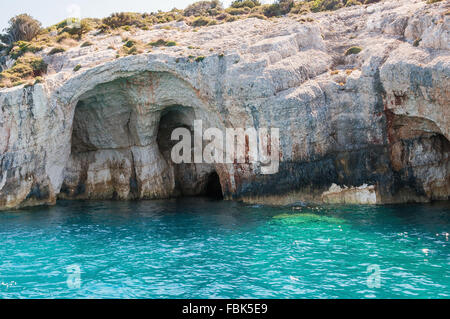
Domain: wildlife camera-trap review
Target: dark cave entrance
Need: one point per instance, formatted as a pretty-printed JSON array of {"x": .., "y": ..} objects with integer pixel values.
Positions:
[
  {"x": 213, "y": 187},
  {"x": 122, "y": 150},
  {"x": 191, "y": 179}
]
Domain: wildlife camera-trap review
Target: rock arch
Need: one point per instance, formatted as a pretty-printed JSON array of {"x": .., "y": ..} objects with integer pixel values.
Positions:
[{"x": 120, "y": 142}]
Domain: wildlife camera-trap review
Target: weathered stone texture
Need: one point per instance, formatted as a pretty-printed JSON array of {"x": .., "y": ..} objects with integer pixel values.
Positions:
[{"x": 377, "y": 131}]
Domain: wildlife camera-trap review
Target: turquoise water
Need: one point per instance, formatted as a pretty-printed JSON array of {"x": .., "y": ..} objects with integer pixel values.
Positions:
[{"x": 196, "y": 248}]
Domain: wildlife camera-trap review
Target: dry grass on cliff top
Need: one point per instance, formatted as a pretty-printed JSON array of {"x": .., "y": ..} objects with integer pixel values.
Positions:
[
  {"x": 26, "y": 70},
  {"x": 70, "y": 33}
]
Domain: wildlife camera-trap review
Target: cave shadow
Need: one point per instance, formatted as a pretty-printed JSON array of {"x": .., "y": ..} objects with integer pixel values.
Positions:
[
  {"x": 191, "y": 179},
  {"x": 213, "y": 187}
]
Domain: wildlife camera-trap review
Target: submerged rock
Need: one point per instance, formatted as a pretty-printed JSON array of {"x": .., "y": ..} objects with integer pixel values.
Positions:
[
  {"x": 307, "y": 218},
  {"x": 374, "y": 124}
]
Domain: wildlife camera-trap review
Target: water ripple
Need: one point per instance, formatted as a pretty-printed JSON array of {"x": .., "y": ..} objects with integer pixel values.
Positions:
[{"x": 203, "y": 249}]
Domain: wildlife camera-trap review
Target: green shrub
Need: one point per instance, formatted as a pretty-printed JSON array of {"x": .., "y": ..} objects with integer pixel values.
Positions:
[
  {"x": 237, "y": 11},
  {"x": 56, "y": 50},
  {"x": 279, "y": 8},
  {"x": 158, "y": 43},
  {"x": 117, "y": 20},
  {"x": 77, "y": 27},
  {"x": 61, "y": 25},
  {"x": 21, "y": 47},
  {"x": 21, "y": 70},
  {"x": 202, "y": 21},
  {"x": 133, "y": 50},
  {"x": 199, "y": 58},
  {"x": 231, "y": 18},
  {"x": 162, "y": 43},
  {"x": 245, "y": 3},
  {"x": 222, "y": 16},
  {"x": 128, "y": 20},
  {"x": 257, "y": 15},
  {"x": 26, "y": 67},
  {"x": 86, "y": 44},
  {"x": 353, "y": 50},
  {"x": 326, "y": 5},
  {"x": 37, "y": 64},
  {"x": 38, "y": 79},
  {"x": 77, "y": 68},
  {"x": 203, "y": 8},
  {"x": 350, "y": 3},
  {"x": 300, "y": 8},
  {"x": 416, "y": 42},
  {"x": 104, "y": 28},
  {"x": 63, "y": 36},
  {"x": 129, "y": 43}
]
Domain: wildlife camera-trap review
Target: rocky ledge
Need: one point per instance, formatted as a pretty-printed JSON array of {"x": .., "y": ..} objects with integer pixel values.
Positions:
[{"x": 355, "y": 127}]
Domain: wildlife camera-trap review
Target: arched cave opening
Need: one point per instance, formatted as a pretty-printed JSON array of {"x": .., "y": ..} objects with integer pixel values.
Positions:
[
  {"x": 191, "y": 179},
  {"x": 420, "y": 157},
  {"x": 121, "y": 144}
]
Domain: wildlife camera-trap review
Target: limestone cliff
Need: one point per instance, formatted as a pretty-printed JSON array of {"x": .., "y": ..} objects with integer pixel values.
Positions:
[{"x": 372, "y": 127}]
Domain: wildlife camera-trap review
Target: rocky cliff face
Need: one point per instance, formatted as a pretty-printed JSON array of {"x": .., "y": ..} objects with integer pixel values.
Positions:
[{"x": 372, "y": 127}]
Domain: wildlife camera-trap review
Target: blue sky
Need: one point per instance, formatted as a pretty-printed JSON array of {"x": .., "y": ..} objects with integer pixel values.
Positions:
[{"x": 50, "y": 11}]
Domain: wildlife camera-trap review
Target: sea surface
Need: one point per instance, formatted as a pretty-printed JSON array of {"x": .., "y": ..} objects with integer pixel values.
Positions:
[{"x": 200, "y": 248}]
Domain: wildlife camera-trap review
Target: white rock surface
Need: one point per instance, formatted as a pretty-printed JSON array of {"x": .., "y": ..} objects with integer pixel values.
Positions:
[{"x": 383, "y": 120}]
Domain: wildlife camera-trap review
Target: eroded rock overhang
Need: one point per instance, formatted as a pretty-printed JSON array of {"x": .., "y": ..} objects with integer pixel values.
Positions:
[{"x": 377, "y": 135}]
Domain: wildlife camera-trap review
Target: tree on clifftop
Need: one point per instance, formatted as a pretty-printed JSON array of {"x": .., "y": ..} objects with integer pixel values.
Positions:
[
  {"x": 203, "y": 8},
  {"x": 21, "y": 28}
]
